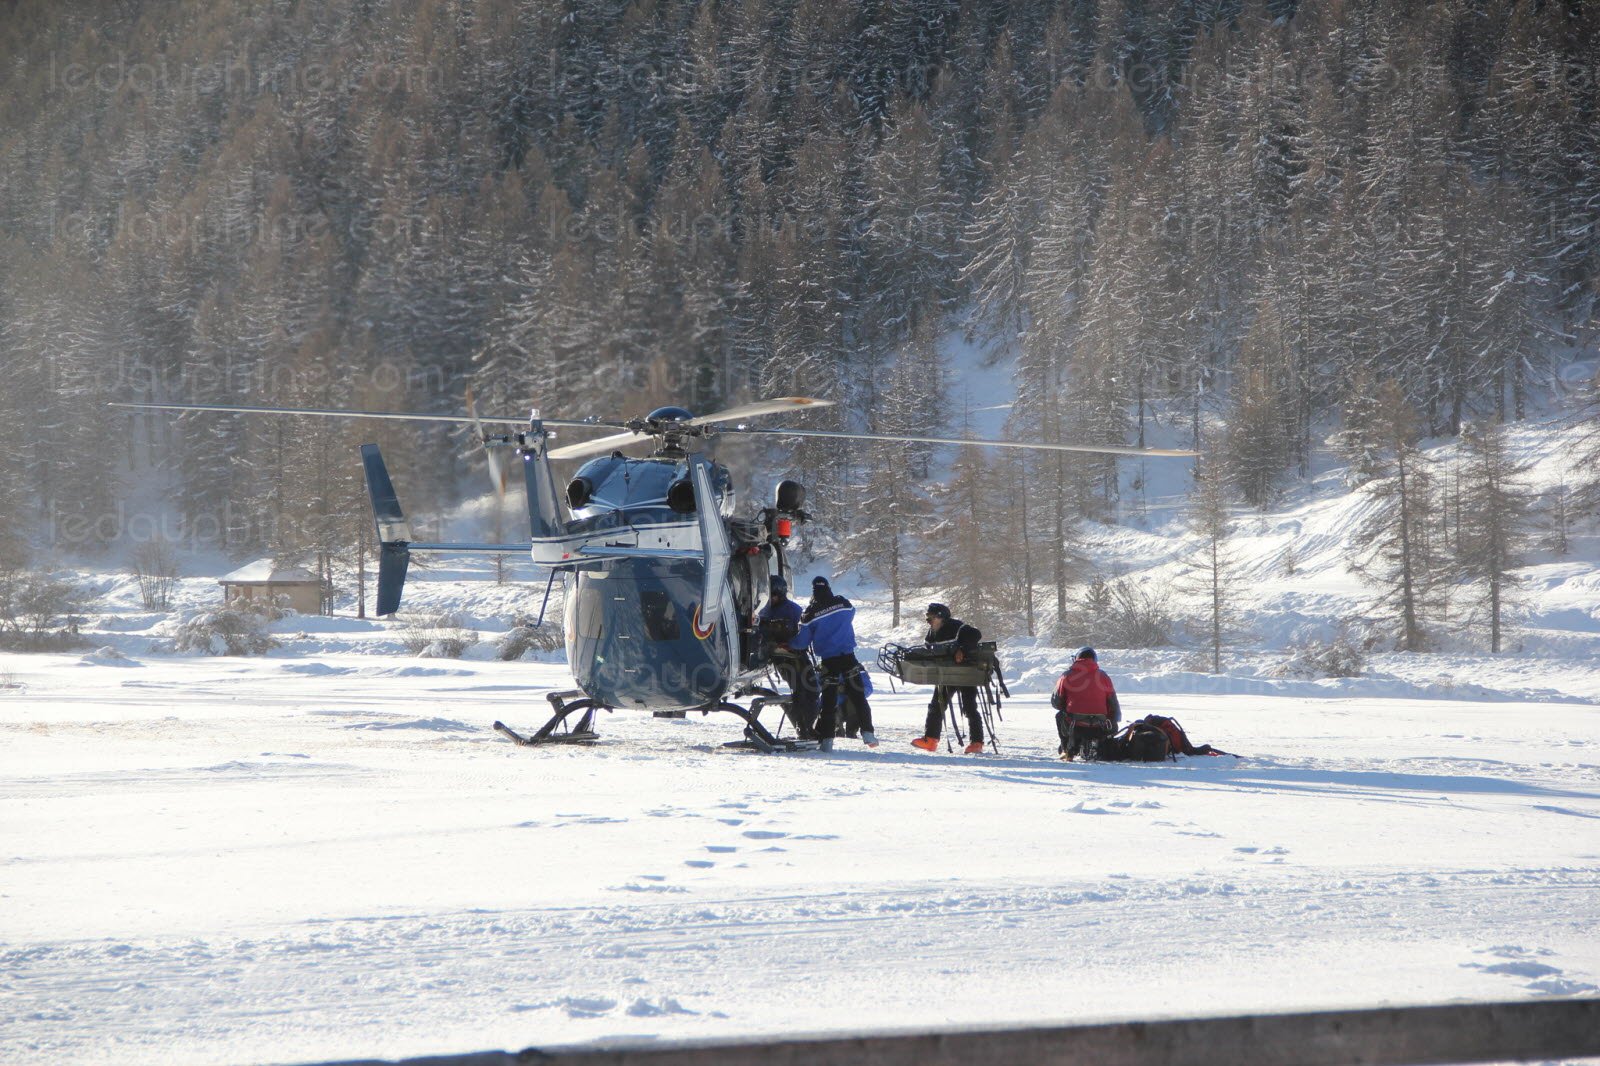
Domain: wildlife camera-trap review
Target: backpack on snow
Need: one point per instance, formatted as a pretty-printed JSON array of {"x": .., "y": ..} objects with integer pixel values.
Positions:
[
  {"x": 1140, "y": 742},
  {"x": 1178, "y": 740}
]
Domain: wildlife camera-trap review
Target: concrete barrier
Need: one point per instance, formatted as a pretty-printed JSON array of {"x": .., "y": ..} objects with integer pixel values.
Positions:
[{"x": 1396, "y": 1036}]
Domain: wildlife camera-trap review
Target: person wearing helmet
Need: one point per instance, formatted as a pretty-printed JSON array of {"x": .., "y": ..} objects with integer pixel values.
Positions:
[
  {"x": 777, "y": 623},
  {"x": 952, "y": 635},
  {"x": 1087, "y": 710},
  {"x": 828, "y": 625}
]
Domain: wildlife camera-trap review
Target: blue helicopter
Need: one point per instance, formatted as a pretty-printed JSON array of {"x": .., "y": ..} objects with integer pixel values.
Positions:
[{"x": 665, "y": 575}]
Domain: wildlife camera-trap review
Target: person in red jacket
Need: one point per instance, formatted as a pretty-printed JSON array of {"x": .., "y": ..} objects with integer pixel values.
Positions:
[{"x": 1086, "y": 706}]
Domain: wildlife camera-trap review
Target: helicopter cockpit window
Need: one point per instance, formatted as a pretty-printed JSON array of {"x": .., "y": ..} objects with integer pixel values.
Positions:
[{"x": 660, "y": 620}]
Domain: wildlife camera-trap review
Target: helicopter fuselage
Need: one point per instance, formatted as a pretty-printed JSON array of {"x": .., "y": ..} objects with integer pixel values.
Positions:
[
  {"x": 638, "y": 634},
  {"x": 635, "y": 637}
]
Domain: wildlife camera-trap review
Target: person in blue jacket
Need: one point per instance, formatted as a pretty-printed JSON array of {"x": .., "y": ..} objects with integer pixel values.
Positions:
[
  {"x": 828, "y": 625},
  {"x": 777, "y": 623}
]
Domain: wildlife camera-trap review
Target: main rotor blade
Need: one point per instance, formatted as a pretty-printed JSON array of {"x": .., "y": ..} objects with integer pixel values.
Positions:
[
  {"x": 598, "y": 446},
  {"x": 398, "y": 416},
  {"x": 1099, "y": 449},
  {"x": 776, "y": 406}
]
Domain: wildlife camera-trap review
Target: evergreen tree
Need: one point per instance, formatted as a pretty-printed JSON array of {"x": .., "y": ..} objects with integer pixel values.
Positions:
[
  {"x": 1494, "y": 526},
  {"x": 889, "y": 508},
  {"x": 958, "y": 543},
  {"x": 1398, "y": 549},
  {"x": 1212, "y": 566},
  {"x": 1261, "y": 436}
]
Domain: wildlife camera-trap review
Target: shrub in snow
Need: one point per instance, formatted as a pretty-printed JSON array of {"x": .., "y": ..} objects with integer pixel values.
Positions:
[
  {"x": 519, "y": 642},
  {"x": 224, "y": 631},
  {"x": 155, "y": 566},
  {"x": 1343, "y": 656},
  {"x": 38, "y": 612},
  {"x": 1122, "y": 614},
  {"x": 437, "y": 636}
]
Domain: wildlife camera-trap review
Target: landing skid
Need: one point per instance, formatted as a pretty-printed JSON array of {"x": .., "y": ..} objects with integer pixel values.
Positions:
[
  {"x": 573, "y": 737},
  {"x": 558, "y": 731},
  {"x": 756, "y": 735}
]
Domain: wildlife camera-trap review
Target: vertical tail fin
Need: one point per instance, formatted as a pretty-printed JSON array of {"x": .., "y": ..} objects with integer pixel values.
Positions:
[
  {"x": 544, "y": 509},
  {"x": 394, "y": 533}
]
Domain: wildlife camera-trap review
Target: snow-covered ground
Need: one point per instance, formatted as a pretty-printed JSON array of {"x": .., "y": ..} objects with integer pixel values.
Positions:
[{"x": 326, "y": 853}]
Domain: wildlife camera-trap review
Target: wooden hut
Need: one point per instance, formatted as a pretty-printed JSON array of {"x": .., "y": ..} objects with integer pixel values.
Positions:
[{"x": 263, "y": 583}]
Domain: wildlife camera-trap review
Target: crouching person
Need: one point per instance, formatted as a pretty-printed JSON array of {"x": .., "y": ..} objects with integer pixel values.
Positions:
[
  {"x": 1086, "y": 706},
  {"x": 777, "y": 623},
  {"x": 828, "y": 626}
]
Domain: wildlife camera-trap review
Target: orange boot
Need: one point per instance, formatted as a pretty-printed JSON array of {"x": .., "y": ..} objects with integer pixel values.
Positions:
[
  {"x": 975, "y": 748},
  {"x": 926, "y": 743}
]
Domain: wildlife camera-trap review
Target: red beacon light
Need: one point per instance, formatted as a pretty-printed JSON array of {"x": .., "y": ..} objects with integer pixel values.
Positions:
[{"x": 785, "y": 528}]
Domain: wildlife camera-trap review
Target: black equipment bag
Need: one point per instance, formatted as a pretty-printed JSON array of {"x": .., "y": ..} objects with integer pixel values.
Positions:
[{"x": 1140, "y": 742}]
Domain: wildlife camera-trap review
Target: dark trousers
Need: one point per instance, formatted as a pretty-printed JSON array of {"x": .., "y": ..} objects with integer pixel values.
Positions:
[
  {"x": 844, "y": 681},
  {"x": 1079, "y": 733},
  {"x": 801, "y": 677},
  {"x": 941, "y": 702}
]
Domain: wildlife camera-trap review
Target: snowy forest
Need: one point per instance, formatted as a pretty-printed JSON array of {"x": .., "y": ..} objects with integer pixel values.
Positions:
[{"x": 1259, "y": 230}]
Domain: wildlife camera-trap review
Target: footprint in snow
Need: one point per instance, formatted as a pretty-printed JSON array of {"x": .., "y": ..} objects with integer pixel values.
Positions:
[
  {"x": 587, "y": 1006},
  {"x": 1561, "y": 986},
  {"x": 653, "y": 885},
  {"x": 643, "y": 1008},
  {"x": 575, "y": 1006},
  {"x": 1544, "y": 978},
  {"x": 764, "y": 834},
  {"x": 699, "y": 864},
  {"x": 721, "y": 849}
]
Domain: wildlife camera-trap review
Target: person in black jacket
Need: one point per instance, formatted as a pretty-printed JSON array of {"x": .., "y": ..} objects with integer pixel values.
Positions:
[
  {"x": 777, "y": 623},
  {"x": 951, "y": 634}
]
